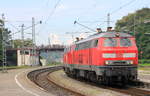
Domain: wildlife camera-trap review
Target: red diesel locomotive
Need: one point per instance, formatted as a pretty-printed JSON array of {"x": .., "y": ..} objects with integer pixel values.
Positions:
[{"x": 104, "y": 57}]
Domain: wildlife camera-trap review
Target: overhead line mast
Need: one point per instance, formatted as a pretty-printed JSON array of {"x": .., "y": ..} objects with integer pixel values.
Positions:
[
  {"x": 4, "y": 69},
  {"x": 33, "y": 42},
  {"x": 108, "y": 20},
  {"x": 22, "y": 51}
]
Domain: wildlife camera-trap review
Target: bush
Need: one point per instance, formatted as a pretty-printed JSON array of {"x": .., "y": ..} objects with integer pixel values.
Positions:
[{"x": 144, "y": 61}]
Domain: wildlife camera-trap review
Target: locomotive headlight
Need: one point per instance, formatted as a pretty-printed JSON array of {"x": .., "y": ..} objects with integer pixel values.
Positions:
[
  {"x": 128, "y": 55},
  {"x": 129, "y": 62},
  {"x": 106, "y": 62},
  {"x": 109, "y": 55}
]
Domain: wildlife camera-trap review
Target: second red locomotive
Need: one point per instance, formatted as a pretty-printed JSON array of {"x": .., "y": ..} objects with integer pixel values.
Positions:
[{"x": 107, "y": 57}]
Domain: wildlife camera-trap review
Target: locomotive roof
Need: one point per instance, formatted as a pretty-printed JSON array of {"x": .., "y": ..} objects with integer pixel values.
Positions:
[{"x": 104, "y": 34}]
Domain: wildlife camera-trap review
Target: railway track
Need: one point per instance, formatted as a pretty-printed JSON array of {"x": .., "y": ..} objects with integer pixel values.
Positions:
[
  {"x": 39, "y": 77},
  {"x": 136, "y": 89},
  {"x": 130, "y": 91}
]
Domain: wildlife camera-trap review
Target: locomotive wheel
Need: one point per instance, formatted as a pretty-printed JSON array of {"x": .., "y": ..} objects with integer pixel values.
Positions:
[
  {"x": 107, "y": 81},
  {"x": 67, "y": 71},
  {"x": 73, "y": 73},
  {"x": 76, "y": 74},
  {"x": 87, "y": 76},
  {"x": 93, "y": 77},
  {"x": 124, "y": 81}
]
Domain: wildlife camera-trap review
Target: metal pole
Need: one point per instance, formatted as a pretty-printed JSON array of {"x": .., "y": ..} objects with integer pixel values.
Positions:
[
  {"x": 72, "y": 38},
  {"x": 22, "y": 53},
  {"x": 134, "y": 25},
  {"x": 33, "y": 41},
  {"x": 49, "y": 41},
  {"x": 108, "y": 20},
  {"x": 4, "y": 69}
]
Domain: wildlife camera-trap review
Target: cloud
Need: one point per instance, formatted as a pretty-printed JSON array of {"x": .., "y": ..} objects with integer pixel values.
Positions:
[
  {"x": 54, "y": 39},
  {"x": 69, "y": 42},
  {"x": 83, "y": 35},
  {"x": 61, "y": 8}
]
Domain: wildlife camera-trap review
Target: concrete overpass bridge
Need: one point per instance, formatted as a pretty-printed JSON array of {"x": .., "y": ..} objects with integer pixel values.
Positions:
[{"x": 50, "y": 54}]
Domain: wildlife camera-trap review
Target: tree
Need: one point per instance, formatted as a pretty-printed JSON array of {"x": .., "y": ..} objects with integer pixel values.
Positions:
[
  {"x": 18, "y": 43},
  {"x": 0, "y": 41},
  {"x": 138, "y": 22},
  {"x": 6, "y": 36}
]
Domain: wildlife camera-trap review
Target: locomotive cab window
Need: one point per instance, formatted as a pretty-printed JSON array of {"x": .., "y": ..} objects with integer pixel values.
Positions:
[
  {"x": 110, "y": 42},
  {"x": 125, "y": 42},
  {"x": 95, "y": 43},
  {"x": 77, "y": 47}
]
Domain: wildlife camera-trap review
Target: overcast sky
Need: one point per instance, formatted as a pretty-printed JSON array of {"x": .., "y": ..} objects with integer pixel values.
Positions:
[{"x": 60, "y": 15}]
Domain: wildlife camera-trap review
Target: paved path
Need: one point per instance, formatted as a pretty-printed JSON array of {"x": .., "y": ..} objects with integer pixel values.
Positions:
[
  {"x": 15, "y": 83},
  {"x": 144, "y": 76}
]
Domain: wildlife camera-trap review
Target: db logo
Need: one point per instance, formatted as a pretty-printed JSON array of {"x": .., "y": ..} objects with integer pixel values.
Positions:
[{"x": 119, "y": 55}]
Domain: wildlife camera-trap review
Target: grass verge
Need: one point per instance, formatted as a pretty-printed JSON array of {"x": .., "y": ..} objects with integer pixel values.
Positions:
[
  {"x": 15, "y": 67},
  {"x": 145, "y": 65},
  {"x": 54, "y": 63}
]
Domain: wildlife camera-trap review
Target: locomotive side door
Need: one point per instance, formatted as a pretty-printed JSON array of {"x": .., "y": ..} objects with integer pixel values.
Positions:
[
  {"x": 93, "y": 53},
  {"x": 90, "y": 57},
  {"x": 89, "y": 54}
]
